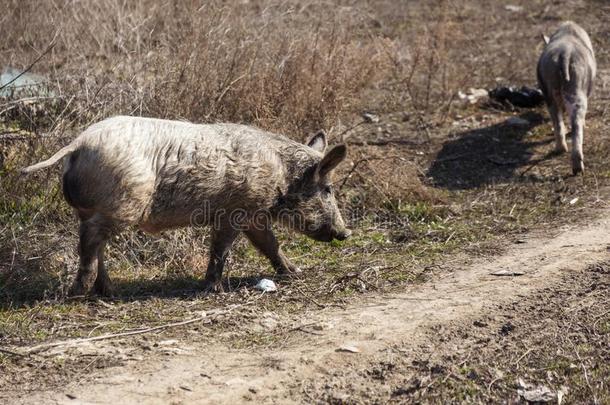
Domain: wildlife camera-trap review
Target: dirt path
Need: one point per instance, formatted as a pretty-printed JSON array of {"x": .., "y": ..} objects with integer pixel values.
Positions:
[{"x": 217, "y": 374}]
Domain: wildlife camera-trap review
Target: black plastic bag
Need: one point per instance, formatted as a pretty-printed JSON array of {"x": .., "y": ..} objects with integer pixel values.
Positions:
[{"x": 525, "y": 97}]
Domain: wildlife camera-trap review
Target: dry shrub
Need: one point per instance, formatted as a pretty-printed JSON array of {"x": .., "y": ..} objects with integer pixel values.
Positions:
[
  {"x": 383, "y": 179},
  {"x": 296, "y": 81},
  {"x": 288, "y": 66}
]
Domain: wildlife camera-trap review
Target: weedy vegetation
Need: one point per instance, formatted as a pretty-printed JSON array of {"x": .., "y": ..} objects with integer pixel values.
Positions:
[{"x": 433, "y": 177}]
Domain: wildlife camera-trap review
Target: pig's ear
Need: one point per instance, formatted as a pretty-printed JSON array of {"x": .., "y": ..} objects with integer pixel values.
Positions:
[
  {"x": 545, "y": 39},
  {"x": 318, "y": 141},
  {"x": 332, "y": 159}
]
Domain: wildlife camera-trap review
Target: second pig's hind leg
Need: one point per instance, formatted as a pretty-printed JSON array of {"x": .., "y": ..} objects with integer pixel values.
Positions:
[
  {"x": 578, "y": 111},
  {"x": 556, "y": 111}
]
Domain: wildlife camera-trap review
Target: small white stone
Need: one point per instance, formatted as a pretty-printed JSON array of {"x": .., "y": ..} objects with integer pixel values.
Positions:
[{"x": 266, "y": 285}]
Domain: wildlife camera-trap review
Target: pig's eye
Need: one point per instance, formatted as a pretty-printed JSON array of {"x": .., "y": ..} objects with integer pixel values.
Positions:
[{"x": 327, "y": 190}]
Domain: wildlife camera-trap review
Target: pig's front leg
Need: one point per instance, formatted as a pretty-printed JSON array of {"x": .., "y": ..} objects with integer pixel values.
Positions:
[
  {"x": 264, "y": 240},
  {"x": 222, "y": 240}
]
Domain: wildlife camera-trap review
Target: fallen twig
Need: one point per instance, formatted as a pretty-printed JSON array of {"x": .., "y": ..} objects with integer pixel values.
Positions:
[
  {"x": 320, "y": 305},
  {"x": 492, "y": 383},
  {"x": 302, "y": 329},
  {"x": 537, "y": 162},
  {"x": 352, "y": 170},
  {"x": 523, "y": 356},
  {"x": 342, "y": 138},
  {"x": 43, "y": 347},
  {"x": 10, "y": 352},
  {"x": 299, "y": 327},
  {"x": 597, "y": 319},
  {"x": 46, "y": 346},
  {"x": 13, "y": 136}
]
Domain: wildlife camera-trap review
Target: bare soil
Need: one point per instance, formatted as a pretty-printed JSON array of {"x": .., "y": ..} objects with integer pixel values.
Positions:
[{"x": 429, "y": 342}]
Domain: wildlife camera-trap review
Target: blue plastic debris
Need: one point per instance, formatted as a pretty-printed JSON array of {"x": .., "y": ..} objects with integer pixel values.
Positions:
[{"x": 15, "y": 83}]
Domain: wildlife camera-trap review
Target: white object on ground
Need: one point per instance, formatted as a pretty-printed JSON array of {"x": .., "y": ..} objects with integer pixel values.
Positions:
[
  {"x": 349, "y": 349},
  {"x": 513, "y": 8},
  {"x": 473, "y": 95},
  {"x": 266, "y": 285},
  {"x": 535, "y": 393}
]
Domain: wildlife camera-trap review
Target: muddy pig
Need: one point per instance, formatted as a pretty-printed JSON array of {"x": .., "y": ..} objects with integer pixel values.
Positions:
[
  {"x": 160, "y": 174},
  {"x": 566, "y": 71}
]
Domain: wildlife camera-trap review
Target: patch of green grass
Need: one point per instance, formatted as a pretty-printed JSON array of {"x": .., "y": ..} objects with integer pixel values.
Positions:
[
  {"x": 26, "y": 323},
  {"x": 465, "y": 390},
  {"x": 560, "y": 364},
  {"x": 604, "y": 327},
  {"x": 540, "y": 132},
  {"x": 422, "y": 212}
]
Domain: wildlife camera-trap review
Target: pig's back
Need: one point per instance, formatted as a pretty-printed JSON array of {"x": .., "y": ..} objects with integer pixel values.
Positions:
[
  {"x": 567, "y": 65},
  {"x": 159, "y": 172},
  {"x": 157, "y": 140}
]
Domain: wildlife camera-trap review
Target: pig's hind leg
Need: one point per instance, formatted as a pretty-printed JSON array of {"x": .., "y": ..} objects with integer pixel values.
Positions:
[
  {"x": 102, "y": 285},
  {"x": 93, "y": 234},
  {"x": 222, "y": 240},
  {"x": 556, "y": 110},
  {"x": 577, "y": 107}
]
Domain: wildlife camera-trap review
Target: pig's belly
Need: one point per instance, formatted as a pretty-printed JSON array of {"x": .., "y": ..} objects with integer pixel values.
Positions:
[
  {"x": 182, "y": 202},
  {"x": 168, "y": 214}
]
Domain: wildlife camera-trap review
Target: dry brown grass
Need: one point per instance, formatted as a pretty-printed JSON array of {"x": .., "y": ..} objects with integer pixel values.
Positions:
[
  {"x": 292, "y": 67},
  {"x": 288, "y": 66},
  {"x": 204, "y": 62}
]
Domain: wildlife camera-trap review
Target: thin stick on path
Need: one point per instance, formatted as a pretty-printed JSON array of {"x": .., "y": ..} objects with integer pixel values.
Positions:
[
  {"x": 523, "y": 356},
  {"x": 71, "y": 342},
  {"x": 10, "y": 352}
]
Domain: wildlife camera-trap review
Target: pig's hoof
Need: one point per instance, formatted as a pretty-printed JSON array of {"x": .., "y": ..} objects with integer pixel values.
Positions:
[
  {"x": 104, "y": 289},
  {"x": 289, "y": 271},
  {"x": 78, "y": 290},
  {"x": 210, "y": 287},
  {"x": 578, "y": 168}
]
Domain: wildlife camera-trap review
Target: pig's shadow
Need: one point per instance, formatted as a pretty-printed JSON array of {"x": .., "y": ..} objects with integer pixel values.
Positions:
[
  {"x": 184, "y": 287},
  {"x": 187, "y": 287},
  {"x": 485, "y": 155}
]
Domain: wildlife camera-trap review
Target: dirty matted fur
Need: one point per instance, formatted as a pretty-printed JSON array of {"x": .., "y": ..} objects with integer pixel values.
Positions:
[
  {"x": 566, "y": 73},
  {"x": 160, "y": 174}
]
